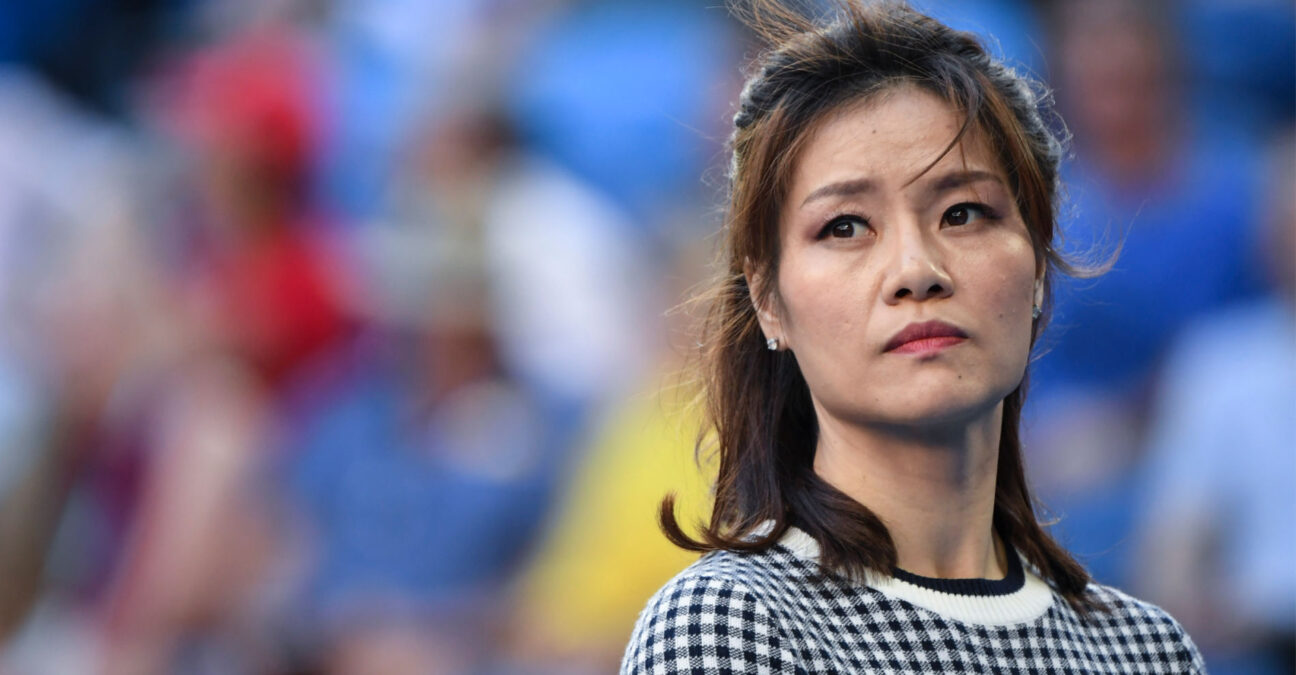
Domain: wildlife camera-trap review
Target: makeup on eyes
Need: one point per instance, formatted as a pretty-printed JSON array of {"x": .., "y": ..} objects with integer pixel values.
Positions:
[
  {"x": 832, "y": 229},
  {"x": 834, "y": 226}
]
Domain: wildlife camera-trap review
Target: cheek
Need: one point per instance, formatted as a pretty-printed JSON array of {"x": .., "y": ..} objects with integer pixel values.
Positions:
[
  {"x": 1014, "y": 292},
  {"x": 822, "y": 305},
  {"x": 1011, "y": 294}
]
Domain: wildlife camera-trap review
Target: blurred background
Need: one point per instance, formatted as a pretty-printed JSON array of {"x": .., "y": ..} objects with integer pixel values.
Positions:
[{"x": 335, "y": 335}]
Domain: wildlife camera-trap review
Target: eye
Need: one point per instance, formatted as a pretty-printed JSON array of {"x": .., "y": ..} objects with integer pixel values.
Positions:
[
  {"x": 844, "y": 227},
  {"x": 965, "y": 213}
]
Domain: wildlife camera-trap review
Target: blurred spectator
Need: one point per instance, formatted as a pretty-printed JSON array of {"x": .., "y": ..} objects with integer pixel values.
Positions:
[
  {"x": 259, "y": 268},
  {"x": 1182, "y": 209},
  {"x": 423, "y": 479},
  {"x": 82, "y": 330},
  {"x": 1138, "y": 178},
  {"x": 1218, "y": 533},
  {"x": 162, "y": 372},
  {"x": 420, "y": 487},
  {"x": 258, "y": 307}
]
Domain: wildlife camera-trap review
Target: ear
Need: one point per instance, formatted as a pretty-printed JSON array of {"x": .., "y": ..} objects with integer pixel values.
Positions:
[
  {"x": 766, "y": 313},
  {"x": 1039, "y": 291}
]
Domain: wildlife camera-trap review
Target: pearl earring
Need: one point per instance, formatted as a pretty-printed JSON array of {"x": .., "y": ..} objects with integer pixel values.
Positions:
[{"x": 772, "y": 344}]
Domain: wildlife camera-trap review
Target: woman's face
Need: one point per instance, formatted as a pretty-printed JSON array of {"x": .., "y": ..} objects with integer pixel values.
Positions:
[{"x": 870, "y": 248}]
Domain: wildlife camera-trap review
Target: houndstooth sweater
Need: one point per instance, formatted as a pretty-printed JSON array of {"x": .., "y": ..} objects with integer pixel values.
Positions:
[{"x": 772, "y": 612}]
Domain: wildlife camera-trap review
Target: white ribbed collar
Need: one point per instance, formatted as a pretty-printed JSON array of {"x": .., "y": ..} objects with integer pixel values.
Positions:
[{"x": 1025, "y": 604}]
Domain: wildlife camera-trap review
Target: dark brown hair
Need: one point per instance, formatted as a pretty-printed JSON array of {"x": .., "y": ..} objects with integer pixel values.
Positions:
[{"x": 761, "y": 421}]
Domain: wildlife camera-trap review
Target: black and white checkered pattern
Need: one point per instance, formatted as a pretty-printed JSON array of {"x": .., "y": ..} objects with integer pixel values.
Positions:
[{"x": 772, "y": 612}]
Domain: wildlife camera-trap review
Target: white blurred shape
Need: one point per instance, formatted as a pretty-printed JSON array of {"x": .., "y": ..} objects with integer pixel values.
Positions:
[{"x": 571, "y": 284}]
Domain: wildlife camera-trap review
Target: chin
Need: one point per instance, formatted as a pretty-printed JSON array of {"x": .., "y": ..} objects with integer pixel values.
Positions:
[
  {"x": 939, "y": 414},
  {"x": 940, "y": 409}
]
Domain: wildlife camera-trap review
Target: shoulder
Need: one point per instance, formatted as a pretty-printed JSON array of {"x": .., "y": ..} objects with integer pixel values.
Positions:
[
  {"x": 1125, "y": 608},
  {"x": 709, "y": 618},
  {"x": 1142, "y": 625}
]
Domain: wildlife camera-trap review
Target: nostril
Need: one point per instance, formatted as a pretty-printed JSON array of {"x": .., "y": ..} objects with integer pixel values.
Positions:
[
  {"x": 935, "y": 290},
  {"x": 902, "y": 293}
]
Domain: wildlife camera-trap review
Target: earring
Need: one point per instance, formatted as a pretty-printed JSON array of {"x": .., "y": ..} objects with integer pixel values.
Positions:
[
  {"x": 1036, "y": 312},
  {"x": 772, "y": 344}
]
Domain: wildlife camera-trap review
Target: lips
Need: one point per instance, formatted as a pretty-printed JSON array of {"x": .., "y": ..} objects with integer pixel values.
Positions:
[{"x": 928, "y": 330}]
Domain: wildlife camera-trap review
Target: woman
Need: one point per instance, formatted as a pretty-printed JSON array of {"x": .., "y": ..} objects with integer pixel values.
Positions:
[{"x": 887, "y": 263}]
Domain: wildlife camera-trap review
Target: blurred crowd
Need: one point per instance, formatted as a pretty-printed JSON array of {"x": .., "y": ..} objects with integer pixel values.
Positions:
[{"x": 341, "y": 336}]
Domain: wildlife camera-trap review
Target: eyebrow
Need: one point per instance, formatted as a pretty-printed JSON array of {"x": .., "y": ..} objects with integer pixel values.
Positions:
[
  {"x": 945, "y": 183},
  {"x": 957, "y": 179},
  {"x": 844, "y": 188}
]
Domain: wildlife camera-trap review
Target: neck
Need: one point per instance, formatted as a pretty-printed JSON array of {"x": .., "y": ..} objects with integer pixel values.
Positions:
[{"x": 933, "y": 488}]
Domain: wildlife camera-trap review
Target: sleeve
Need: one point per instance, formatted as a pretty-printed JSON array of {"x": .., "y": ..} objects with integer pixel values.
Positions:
[{"x": 703, "y": 625}]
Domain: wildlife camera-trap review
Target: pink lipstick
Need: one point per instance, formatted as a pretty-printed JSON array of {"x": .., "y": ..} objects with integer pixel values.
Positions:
[{"x": 928, "y": 337}]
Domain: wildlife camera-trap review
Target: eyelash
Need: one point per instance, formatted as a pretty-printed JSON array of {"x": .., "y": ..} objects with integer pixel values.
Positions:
[
  {"x": 986, "y": 212},
  {"x": 984, "y": 209},
  {"x": 826, "y": 231}
]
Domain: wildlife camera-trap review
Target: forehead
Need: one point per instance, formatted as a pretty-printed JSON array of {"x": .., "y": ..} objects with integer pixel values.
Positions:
[{"x": 892, "y": 137}]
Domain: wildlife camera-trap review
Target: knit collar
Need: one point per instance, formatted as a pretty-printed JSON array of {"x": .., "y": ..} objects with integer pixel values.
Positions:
[
  {"x": 1011, "y": 583},
  {"x": 1019, "y": 597}
]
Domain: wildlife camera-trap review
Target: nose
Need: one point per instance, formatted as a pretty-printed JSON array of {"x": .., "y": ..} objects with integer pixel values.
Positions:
[{"x": 916, "y": 270}]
